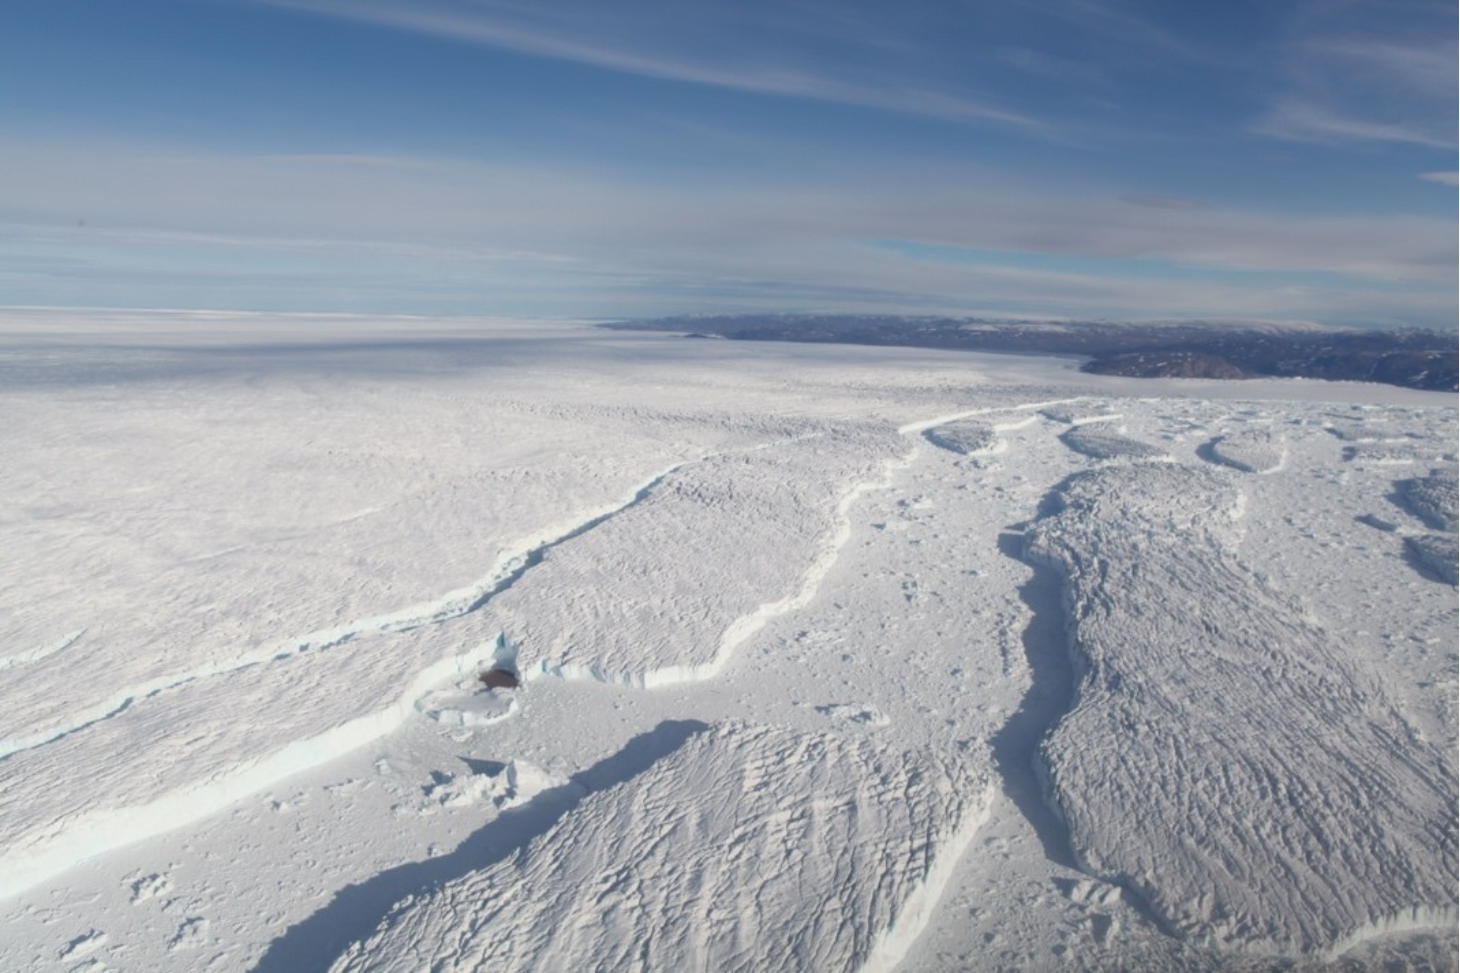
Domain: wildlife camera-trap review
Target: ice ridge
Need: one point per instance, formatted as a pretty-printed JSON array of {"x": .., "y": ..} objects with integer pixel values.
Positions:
[
  {"x": 742, "y": 628},
  {"x": 748, "y": 848},
  {"x": 1225, "y": 757},
  {"x": 35, "y": 655},
  {"x": 69, "y": 842},
  {"x": 509, "y": 569}
]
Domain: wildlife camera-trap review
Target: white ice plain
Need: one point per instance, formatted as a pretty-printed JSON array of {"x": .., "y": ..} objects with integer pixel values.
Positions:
[{"x": 831, "y": 658}]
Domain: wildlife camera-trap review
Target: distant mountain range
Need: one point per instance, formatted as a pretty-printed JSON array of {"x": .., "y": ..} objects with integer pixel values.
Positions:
[{"x": 1185, "y": 349}]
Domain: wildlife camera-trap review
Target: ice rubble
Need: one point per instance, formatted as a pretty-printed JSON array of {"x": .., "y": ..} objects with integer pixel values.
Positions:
[
  {"x": 748, "y": 848},
  {"x": 1432, "y": 498},
  {"x": 1080, "y": 413},
  {"x": 968, "y": 437},
  {"x": 1382, "y": 454},
  {"x": 1225, "y": 758},
  {"x": 1437, "y": 553},
  {"x": 1250, "y": 450},
  {"x": 511, "y": 785},
  {"x": 1103, "y": 444}
]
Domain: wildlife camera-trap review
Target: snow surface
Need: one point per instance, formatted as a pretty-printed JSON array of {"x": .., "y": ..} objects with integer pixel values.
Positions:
[
  {"x": 1100, "y": 443},
  {"x": 669, "y": 612},
  {"x": 739, "y": 823},
  {"x": 258, "y": 562},
  {"x": 1437, "y": 553},
  {"x": 1081, "y": 413},
  {"x": 1232, "y": 720},
  {"x": 1433, "y": 498},
  {"x": 1251, "y": 450},
  {"x": 967, "y": 437}
]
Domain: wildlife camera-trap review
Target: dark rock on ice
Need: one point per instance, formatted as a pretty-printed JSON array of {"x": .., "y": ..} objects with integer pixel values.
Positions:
[{"x": 499, "y": 679}]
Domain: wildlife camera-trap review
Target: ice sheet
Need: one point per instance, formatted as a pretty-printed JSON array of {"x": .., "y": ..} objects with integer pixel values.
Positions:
[{"x": 262, "y": 561}]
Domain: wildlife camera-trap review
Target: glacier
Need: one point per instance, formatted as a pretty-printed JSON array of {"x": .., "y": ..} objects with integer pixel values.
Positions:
[{"x": 831, "y": 657}]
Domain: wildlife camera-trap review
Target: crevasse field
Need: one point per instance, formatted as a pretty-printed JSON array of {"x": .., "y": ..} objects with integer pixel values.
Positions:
[{"x": 833, "y": 658}]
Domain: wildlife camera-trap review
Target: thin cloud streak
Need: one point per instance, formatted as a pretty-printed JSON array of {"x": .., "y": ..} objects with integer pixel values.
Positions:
[
  {"x": 579, "y": 214},
  {"x": 576, "y": 156},
  {"x": 1394, "y": 82},
  {"x": 478, "y": 27},
  {"x": 1301, "y": 121},
  {"x": 570, "y": 241},
  {"x": 1121, "y": 25},
  {"x": 1429, "y": 70},
  {"x": 790, "y": 277}
]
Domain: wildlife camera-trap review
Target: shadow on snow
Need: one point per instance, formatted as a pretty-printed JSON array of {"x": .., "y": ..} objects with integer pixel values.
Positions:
[{"x": 314, "y": 942}]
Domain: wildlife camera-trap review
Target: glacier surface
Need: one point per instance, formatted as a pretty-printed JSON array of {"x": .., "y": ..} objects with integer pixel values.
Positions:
[{"x": 801, "y": 685}]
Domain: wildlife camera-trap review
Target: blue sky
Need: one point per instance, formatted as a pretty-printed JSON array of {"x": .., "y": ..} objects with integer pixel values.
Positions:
[{"x": 1061, "y": 158}]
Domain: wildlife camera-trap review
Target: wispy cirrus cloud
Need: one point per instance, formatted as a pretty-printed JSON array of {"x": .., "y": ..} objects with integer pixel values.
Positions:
[
  {"x": 1118, "y": 24},
  {"x": 1301, "y": 120},
  {"x": 545, "y": 239},
  {"x": 1369, "y": 78},
  {"x": 580, "y": 153},
  {"x": 697, "y": 55},
  {"x": 583, "y": 213}
]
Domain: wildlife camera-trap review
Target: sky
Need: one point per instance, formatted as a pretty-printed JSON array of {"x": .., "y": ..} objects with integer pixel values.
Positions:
[{"x": 1068, "y": 159}]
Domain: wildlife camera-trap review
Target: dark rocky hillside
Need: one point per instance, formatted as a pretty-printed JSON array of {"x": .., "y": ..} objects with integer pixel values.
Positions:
[{"x": 1412, "y": 359}]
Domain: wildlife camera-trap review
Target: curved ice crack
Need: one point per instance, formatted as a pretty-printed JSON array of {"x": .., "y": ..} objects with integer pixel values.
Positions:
[
  {"x": 923, "y": 425},
  {"x": 744, "y": 627},
  {"x": 106, "y": 830},
  {"x": 922, "y": 901},
  {"x": 508, "y": 570},
  {"x": 36, "y": 655}
]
